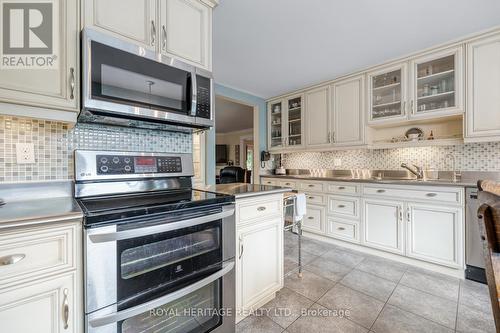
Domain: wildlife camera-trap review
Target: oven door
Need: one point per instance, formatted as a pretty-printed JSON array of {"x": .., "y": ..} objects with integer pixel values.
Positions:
[
  {"x": 139, "y": 260},
  {"x": 126, "y": 81},
  {"x": 206, "y": 305}
]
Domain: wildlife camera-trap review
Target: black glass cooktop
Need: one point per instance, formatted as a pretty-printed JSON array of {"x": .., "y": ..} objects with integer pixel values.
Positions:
[{"x": 111, "y": 208}]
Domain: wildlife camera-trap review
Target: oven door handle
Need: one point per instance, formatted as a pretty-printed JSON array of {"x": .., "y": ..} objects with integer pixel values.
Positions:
[
  {"x": 136, "y": 310},
  {"x": 133, "y": 233}
]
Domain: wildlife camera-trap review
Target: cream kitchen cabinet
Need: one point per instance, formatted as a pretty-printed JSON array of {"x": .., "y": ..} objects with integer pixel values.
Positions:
[
  {"x": 259, "y": 252},
  {"x": 178, "y": 28},
  {"x": 347, "y": 112},
  {"x": 53, "y": 91},
  {"x": 286, "y": 120},
  {"x": 186, "y": 31},
  {"x": 41, "y": 278},
  {"x": 43, "y": 306},
  {"x": 136, "y": 22},
  {"x": 318, "y": 128},
  {"x": 383, "y": 225},
  {"x": 435, "y": 234},
  {"x": 424, "y": 87},
  {"x": 482, "y": 121}
]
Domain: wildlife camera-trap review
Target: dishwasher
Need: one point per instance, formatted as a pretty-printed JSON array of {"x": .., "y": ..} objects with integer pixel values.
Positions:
[{"x": 474, "y": 259}]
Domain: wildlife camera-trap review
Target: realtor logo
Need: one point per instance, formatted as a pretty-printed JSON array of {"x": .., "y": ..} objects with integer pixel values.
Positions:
[{"x": 28, "y": 35}]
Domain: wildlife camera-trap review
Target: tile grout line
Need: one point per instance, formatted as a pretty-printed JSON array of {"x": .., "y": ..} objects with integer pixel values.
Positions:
[{"x": 458, "y": 304}]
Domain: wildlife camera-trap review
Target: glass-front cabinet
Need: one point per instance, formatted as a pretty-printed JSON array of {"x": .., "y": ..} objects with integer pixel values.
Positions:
[
  {"x": 387, "y": 94},
  {"x": 286, "y": 123},
  {"x": 437, "y": 84}
]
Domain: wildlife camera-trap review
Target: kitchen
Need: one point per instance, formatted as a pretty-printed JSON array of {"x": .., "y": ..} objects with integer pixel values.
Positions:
[{"x": 111, "y": 219}]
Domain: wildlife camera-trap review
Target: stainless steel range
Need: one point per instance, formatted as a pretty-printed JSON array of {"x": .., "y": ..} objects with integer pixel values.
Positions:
[{"x": 159, "y": 256}]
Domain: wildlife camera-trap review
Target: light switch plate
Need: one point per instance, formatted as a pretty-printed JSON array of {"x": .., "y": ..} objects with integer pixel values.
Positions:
[
  {"x": 25, "y": 153},
  {"x": 337, "y": 162}
]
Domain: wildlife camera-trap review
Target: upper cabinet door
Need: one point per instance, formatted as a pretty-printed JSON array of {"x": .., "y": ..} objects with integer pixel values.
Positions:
[
  {"x": 348, "y": 108},
  {"x": 275, "y": 119},
  {"x": 294, "y": 131},
  {"x": 185, "y": 31},
  {"x": 483, "y": 80},
  {"x": 318, "y": 117},
  {"x": 437, "y": 84},
  {"x": 132, "y": 20},
  {"x": 53, "y": 81},
  {"x": 387, "y": 94}
]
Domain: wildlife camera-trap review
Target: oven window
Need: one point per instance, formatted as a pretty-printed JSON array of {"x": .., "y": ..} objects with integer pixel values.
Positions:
[
  {"x": 126, "y": 78},
  {"x": 197, "y": 312},
  {"x": 142, "y": 259}
]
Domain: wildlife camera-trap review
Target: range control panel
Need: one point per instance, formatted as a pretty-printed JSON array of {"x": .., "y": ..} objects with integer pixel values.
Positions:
[{"x": 122, "y": 165}]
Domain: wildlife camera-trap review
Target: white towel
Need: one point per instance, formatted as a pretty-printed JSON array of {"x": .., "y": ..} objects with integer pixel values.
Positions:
[{"x": 300, "y": 206}]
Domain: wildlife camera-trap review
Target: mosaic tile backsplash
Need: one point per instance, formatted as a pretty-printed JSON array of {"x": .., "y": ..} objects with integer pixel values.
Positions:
[
  {"x": 469, "y": 157},
  {"x": 55, "y": 143}
]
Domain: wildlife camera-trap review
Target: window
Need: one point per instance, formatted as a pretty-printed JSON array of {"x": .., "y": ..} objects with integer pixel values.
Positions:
[{"x": 199, "y": 158}]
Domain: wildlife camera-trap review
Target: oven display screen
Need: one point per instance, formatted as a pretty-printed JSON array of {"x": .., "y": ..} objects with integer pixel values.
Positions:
[{"x": 145, "y": 164}]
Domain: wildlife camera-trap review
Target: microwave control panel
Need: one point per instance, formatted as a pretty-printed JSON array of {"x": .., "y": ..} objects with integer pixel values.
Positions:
[
  {"x": 122, "y": 165},
  {"x": 203, "y": 92}
]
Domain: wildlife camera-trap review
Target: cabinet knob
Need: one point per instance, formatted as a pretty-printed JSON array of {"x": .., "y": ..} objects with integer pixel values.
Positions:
[
  {"x": 431, "y": 195},
  {"x": 310, "y": 218},
  {"x": 341, "y": 187},
  {"x": 341, "y": 206},
  {"x": 340, "y": 228},
  {"x": 11, "y": 259},
  {"x": 380, "y": 191},
  {"x": 261, "y": 208},
  {"x": 310, "y": 185}
]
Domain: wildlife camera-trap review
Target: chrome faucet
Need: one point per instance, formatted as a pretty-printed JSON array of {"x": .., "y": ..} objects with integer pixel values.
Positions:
[
  {"x": 418, "y": 171},
  {"x": 456, "y": 174}
]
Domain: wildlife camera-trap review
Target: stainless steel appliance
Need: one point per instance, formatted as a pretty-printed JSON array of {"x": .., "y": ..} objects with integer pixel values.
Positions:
[
  {"x": 159, "y": 256},
  {"x": 473, "y": 248},
  {"x": 128, "y": 85}
]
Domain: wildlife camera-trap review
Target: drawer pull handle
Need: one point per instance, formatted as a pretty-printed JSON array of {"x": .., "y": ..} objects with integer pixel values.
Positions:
[
  {"x": 310, "y": 218},
  {"x": 12, "y": 259},
  {"x": 310, "y": 198},
  {"x": 340, "y": 228},
  {"x": 287, "y": 184},
  {"x": 72, "y": 83},
  {"x": 341, "y": 187},
  {"x": 431, "y": 195},
  {"x": 380, "y": 191},
  {"x": 310, "y": 185},
  {"x": 261, "y": 208},
  {"x": 65, "y": 308},
  {"x": 341, "y": 206}
]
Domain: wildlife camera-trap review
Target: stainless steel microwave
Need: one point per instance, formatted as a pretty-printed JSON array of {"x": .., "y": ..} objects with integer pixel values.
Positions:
[{"x": 125, "y": 84}]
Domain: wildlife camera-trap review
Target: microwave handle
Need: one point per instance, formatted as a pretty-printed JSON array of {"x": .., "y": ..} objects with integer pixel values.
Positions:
[
  {"x": 102, "y": 237},
  {"x": 136, "y": 310},
  {"x": 194, "y": 93}
]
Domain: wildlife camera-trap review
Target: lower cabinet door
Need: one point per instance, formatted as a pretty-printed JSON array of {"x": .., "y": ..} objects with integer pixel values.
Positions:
[
  {"x": 383, "y": 225},
  {"x": 314, "y": 219},
  {"x": 43, "y": 307},
  {"x": 259, "y": 269},
  {"x": 435, "y": 234}
]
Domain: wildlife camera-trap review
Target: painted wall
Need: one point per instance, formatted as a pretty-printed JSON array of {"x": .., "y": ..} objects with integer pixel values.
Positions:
[{"x": 210, "y": 139}]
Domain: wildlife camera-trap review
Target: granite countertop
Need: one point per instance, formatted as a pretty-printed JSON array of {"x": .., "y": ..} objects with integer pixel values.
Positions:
[
  {"x": 37, "y": 203},
  {"x": 243, "y": 190},
  {"x": 436, "y": 182}
]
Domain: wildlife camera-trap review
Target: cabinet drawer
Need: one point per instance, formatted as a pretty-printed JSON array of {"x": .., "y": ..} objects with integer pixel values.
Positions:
[
  {"x": 314, "y": 219},
  {"x": 261, "y": 208},
  {"x": 288, "y": 183},
  {"x": 269, "y": 181},
  {"x": 315, "y": 199},
  {"x": 343, "y": 229},
  {"x": 441, "y": 194},
  {"x": 36, "y": 253},
  {"x": 340, "y": 188},
  {"x": 345, "y": 206},
  {"x": 311, "y": 187}
]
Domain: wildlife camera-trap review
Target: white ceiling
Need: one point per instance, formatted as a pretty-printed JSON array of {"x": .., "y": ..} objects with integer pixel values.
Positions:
[
  {"x": 269, "y": 47},
  {"x": 231, "y": 117}
]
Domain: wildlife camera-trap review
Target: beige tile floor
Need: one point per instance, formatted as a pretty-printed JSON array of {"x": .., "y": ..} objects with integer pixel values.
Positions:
[{"x": 347, "y": 291}]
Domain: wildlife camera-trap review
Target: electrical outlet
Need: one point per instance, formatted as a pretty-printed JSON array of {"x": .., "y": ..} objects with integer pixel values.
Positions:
[
  {"x": 337, "y": 162},
  {"x": 25, "y": 153}
]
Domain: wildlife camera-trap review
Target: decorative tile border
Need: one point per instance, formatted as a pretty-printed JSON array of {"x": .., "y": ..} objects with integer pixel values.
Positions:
[
  {"x": 469, "y": 157},
  {"x": 55, "y": 143}
]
